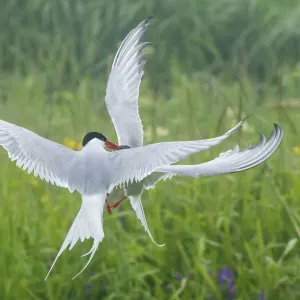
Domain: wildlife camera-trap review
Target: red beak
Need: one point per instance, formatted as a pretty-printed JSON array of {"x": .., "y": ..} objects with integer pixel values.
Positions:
[{"x": 111, "y": 145}]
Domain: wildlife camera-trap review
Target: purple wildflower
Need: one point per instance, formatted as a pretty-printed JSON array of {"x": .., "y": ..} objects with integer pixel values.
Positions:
[
  {"x": 261, "y": 296},
  {"x": 226, "y": 276}
]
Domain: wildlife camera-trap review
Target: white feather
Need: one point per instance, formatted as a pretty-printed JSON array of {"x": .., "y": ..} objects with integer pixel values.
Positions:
[
  {"x": 231, "y": 161},
  {"x": 123, "y": 87},
  {"x": 87, "y": 224}
]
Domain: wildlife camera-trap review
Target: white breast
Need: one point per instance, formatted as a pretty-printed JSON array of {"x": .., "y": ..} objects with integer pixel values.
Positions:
[{"x": 91, "y": 172}]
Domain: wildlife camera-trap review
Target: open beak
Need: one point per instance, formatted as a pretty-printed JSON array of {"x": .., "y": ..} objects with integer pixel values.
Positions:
[{"x": 111, "y": 145}]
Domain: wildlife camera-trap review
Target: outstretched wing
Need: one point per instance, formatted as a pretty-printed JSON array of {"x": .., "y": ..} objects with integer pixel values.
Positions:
[
  {"x": 135, "y": 164},
  {"x": 123, "y": 87},
  {"x": 48, "y": 160},
  {"x": 231, "y": 161}
]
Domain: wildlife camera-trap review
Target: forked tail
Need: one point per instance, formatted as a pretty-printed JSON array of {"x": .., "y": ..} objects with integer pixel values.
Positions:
[{"x": 87, "y": 224}]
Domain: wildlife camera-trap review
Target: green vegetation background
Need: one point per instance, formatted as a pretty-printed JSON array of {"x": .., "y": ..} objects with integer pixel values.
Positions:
[{"x": 211, "y": 63}]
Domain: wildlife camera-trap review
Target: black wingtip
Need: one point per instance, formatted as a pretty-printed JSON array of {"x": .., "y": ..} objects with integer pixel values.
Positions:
[
  {"x": 147, "y": 20},
  {"x": 277, "y": 128},
  {"x": 247, "y": 117}
]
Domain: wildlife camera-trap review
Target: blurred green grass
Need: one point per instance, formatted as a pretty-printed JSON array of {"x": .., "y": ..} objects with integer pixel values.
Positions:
[
  {"x": 212, "y": 64},
  {"x": 71, "y": 38}
]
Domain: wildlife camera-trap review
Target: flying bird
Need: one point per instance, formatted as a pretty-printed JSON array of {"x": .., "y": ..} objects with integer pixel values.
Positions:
[
  {"x": 92, "y": 171},
  {"x": 122, "y": 103},
  {"x": 95, "y": 172}
]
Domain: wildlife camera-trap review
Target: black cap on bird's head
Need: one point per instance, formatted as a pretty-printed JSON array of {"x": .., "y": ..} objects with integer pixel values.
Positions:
[{"x": 96, "y": 135}]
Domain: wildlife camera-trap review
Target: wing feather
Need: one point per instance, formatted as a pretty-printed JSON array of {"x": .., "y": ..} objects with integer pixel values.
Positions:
[
  {"x": 46, "y": 159},
  {"x": 123, "y": 87},
  {"x": 134, "y": 164},
  {"x": 232, "y": 161}
]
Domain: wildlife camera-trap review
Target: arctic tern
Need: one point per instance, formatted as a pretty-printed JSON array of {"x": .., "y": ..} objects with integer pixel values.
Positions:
[{"x": 122, "y": 103}]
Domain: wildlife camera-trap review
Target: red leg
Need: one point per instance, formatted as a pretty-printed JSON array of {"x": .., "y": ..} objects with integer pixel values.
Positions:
[
  {"x": 117, "y": 203},
  {"x": 108, "y": 206}
]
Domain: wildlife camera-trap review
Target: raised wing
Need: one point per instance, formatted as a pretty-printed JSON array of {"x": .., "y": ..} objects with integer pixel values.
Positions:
[
  {"x": 135, "y": 164},
  {"x": 122, "y": 90},
  {"x": 231, "y": 161},
  {"x": 48, "y": 160}
]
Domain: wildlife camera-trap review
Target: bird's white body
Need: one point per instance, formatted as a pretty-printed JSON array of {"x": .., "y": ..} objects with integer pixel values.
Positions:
[{"x": 92, "y": 163}]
